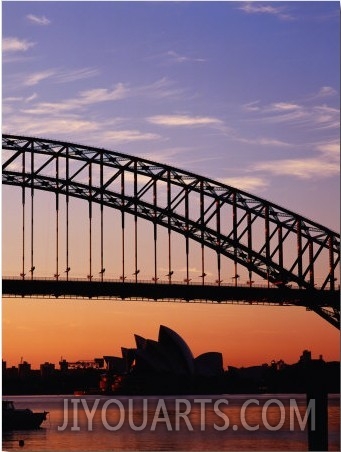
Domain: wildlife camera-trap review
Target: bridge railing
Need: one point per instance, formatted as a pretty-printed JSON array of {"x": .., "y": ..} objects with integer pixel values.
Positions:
[{"x": 151, "y": 281}]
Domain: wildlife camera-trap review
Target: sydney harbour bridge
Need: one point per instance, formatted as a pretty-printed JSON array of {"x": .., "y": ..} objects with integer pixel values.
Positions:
[{"x": 110, "y": 213}]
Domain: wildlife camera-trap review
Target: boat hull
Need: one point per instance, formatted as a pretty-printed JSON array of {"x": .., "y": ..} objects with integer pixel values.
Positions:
[{"x": 22, "y": 420}]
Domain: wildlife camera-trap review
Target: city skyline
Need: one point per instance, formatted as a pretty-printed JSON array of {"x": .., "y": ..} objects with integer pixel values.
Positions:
[
  {"x": 245, "y": 93},
  {"x": 83, "y": 361}
]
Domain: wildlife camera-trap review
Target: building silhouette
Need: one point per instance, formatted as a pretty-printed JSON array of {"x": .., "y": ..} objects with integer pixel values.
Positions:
[
  {"x": 167, "y": 366},
  {"x": 163, "y": 366}
]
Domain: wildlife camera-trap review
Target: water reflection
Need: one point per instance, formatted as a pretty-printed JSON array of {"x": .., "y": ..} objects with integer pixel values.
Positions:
[{"x": 171, "y": 431}]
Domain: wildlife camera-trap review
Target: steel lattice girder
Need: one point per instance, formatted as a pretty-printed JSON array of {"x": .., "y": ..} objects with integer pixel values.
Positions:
[{"x": 38, "y": 157}]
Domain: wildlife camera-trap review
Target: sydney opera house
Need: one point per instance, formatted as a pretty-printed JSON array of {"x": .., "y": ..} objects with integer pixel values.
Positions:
[{"x": 164, "y": 366}]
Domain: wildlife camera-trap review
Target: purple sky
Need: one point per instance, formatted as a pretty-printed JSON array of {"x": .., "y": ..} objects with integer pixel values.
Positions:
[{"x": 246, "y": 93}]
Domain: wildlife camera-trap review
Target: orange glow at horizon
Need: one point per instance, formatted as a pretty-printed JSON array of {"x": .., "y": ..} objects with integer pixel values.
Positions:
[{"x": 46, "y": 330}]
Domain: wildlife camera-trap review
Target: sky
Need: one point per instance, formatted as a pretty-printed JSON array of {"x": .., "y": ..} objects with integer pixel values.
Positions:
[{"x": 246, "y": 93}]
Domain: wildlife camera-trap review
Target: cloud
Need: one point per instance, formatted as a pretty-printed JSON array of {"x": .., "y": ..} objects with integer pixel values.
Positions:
[
  {"x": 326, "y": 117},
  {"x": 37, "y": 77},
  {"x": 102, "y": 94},
  {"x": 55, "y": 76},
  {"x": 251, "y": 106},
  {"x": 317, "y": 116},
  {"x": 326, "y": 163},
  {"x": 16, "y": 45},
  {"x": 195, "y": 160},
  {"x": 77, "y": 74},
  {"x": 12, "y": 99},
  {"x": 302, "y": 168},
  {"x": 32, "y": 97},
  {"x": 49, "y": 126},
  {"x": 167, "y": 155},
  {"x": 130, "y": 135},
  {"x": 183, "y": 120},
  {"x": 284, "y": 106},
  {"x": 294, "y": 116},
  {"x": 246, "y": 183},
  {"x": 258, "y": 8},
  {"x": 61, "y": 120},
  {"x": 326, "y": 91},
  {"x": 177, "y": 58},
  {"x": 263, "y": 141},
  {"x": 84, "y": 98},
  {"x": 39, "y": 20},
  {"x": 160, "y": 89},
  {"x": 330, "y": 150},
  {"x": 49, "y": 108},
  {"x": 306, "y": 119},
  {"x": 274, "y": 107}
]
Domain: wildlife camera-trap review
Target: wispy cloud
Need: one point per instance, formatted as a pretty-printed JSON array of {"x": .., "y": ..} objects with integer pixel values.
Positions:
[
  {"x": 167, "y": 155},
  {"x": 38, "y": 20},
  {"x": 284, "y": 106},
  {"x": 16, "y": 45},
  {"x": 317, "y": 116},
  {"x": 302, "y": 168},
  {"x": 60, "y": 75},
  {"x": 259, "y": 8},
  {"x": 76, "y": 74},
  {"x": 96, "y": 95},
  {"x": 281, "y": 107},
  {"x": 192, "y": 160},
  {"x": 309, "y": 118},
  {"x": 160, "y": 89},
  {"x": 330, "y": 150},
  {"x": 275, "y": 116},
  {"x": 37, "y": 77},
  {"x": 247, "y": 183},
  {"x": 183, "y": 120},
  {"x": 49, "y": 109},
  {"x": 13, "y": 99},
  {"x": 178, "y": 58},
  {"x": 325, "y": 163},
  {"x": 84, "y": 98},
  {"x": 327, "y": 117},
  {"x": 263, "y": 141},
  {"x": 52, "y": 121},
  {"x": 327, "y": 91},
  {"x": 251, "y": 106},
  {"x": 50, "y": 126},
  {"x": 124, "y": 136},
  {"x": 32, "y": 97}
]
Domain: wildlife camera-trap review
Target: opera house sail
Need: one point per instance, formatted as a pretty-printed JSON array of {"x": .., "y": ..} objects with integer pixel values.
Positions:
[{"x": 165, "y": 366}]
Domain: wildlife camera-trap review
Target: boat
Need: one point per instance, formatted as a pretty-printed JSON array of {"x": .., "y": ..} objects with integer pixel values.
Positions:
[{"x": 20, "y": 419}]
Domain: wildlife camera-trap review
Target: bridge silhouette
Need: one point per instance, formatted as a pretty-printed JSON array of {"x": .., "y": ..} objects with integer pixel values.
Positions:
[{"x": 285, "y": 258}]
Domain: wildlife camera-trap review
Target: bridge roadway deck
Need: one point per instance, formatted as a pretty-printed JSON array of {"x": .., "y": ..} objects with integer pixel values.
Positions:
[{"x": 165, "y": 291}]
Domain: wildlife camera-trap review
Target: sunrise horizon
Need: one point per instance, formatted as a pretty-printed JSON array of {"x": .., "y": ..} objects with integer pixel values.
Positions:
[{"x": 219, "y": 332}]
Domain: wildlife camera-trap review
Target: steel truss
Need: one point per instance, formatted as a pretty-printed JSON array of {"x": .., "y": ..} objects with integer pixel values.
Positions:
[{"x": 133, "y": 185}]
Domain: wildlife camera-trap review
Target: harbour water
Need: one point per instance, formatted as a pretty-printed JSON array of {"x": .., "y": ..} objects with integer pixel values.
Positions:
[{"x": 209, "y": 423}]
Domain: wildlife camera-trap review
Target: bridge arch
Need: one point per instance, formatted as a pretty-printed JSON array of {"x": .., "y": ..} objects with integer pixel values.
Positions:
[
  {"x": 217, "y": 216},
  {"x": 266, "y": 261}
]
